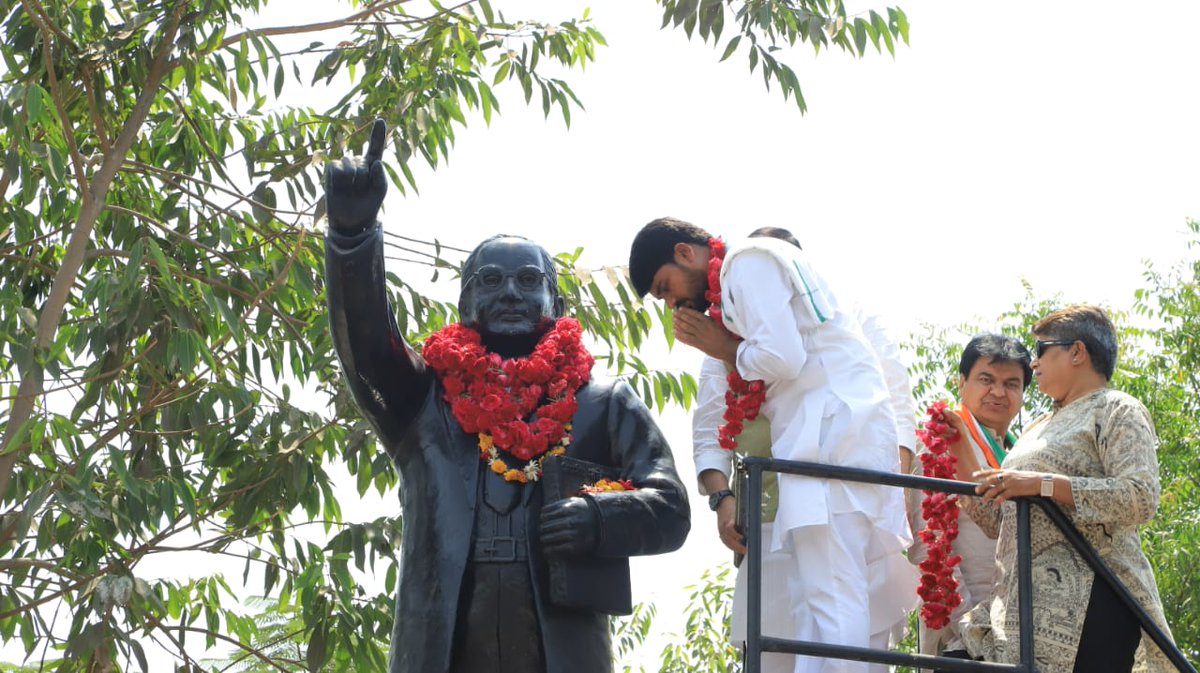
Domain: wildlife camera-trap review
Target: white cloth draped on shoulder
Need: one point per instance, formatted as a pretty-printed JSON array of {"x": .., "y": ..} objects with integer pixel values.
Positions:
[
  {"x": 827, "y": 403},
  {"x": 825, "y": 394}
]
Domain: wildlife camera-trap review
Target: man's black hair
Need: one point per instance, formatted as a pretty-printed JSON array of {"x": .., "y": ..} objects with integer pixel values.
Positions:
[
  {"x": 998, "y": 349},
  {"x": 776, "y": 232},
  {"x": 654, "y": 246}
]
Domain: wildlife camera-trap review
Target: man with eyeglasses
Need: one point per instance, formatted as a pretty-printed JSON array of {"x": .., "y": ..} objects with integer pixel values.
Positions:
[
  {"x": 994, "y": 372},
  {"x": 475, "y": 589}
]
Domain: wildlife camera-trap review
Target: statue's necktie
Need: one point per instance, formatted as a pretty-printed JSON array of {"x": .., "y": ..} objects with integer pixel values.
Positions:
[{"x": 499, "y": 494}]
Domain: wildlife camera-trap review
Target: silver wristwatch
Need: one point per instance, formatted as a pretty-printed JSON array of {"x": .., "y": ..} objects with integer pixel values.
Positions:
[{"x": 1047, "y": 486}]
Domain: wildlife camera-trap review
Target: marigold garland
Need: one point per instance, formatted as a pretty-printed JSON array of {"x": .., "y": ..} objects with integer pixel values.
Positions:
[
  {"x": 939, "y": 587},
  {"x": 609, "y": 486},
  {"x": 744, "y": 398},
  {"x": 492, "y": 396}
]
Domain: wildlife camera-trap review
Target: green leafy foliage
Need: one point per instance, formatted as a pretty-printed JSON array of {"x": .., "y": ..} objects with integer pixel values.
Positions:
[
  {"x": 162, "y": 305},
  {"x": 764, "y": 27},
  {"x": 170, "y": 390},
  {"x": 707, "y": 648},
  {"x": 620, "y": 325},
  {"x": 704, "y": 645},
  {"x": 1162, "y": 372},
  {"x": 281, "y": 641}
]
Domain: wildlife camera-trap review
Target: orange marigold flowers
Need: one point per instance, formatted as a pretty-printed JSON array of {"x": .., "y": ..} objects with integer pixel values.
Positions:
[{"x": 609, "y": 486}]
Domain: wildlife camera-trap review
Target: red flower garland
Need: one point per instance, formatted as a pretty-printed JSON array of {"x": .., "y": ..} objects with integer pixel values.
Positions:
[
  {"x": 744, "y": 398},
  {"x": 939, "y": 588},
  {"x": 493, "y": 396}
]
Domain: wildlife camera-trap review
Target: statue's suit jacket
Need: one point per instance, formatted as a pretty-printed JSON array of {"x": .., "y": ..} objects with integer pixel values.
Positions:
[{"x": 439, "y": 471}]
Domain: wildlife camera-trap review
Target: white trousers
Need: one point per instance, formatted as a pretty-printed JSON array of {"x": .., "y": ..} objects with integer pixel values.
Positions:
[{"x": 832, "y": 584}]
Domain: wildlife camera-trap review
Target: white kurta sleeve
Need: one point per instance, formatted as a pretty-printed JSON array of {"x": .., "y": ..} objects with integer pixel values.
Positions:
[
  {"x": 773, "y": 348},
  {"x": 895, "y": 376},
  {"x": 706, "y": 421}
]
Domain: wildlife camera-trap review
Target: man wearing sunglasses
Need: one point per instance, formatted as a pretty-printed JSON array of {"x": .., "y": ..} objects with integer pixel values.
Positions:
[{"x": 480, "y": 533}]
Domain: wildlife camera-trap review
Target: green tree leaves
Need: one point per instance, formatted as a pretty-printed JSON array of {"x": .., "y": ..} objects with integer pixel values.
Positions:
[
  {"x": 162, "y": 299},
  {"x": 765, "y": 27}
]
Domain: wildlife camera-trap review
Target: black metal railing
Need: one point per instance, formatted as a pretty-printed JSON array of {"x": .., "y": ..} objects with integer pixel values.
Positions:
[{"x": 757, "y": 643}]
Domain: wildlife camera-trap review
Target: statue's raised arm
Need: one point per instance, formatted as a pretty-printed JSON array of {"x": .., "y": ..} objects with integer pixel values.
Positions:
[
  {"x": 355, "y": 187},
  {"x": 388, "y": 379},
  {"x": 491, "y": 404}
]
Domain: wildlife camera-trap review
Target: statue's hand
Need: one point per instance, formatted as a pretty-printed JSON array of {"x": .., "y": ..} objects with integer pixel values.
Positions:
[
  {"x": 568, "y": 527},
  {"x": 355, "y": 186}
]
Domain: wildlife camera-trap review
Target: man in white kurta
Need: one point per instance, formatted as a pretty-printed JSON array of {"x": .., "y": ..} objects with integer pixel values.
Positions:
[
  {"x": 826, "y": 402},
  {"x": 713, "y": 468}
]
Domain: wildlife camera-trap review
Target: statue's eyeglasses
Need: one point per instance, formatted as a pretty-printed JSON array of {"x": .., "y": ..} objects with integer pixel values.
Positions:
[{"x": 491, "y": 277}]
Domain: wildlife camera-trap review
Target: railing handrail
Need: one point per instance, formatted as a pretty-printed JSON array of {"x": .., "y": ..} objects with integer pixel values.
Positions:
[{"x": 756, "y": 643}]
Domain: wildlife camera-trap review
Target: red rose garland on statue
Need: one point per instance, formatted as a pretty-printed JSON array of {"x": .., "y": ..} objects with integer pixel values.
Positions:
[
  {"x": 744, "y": 398},
  {"x": 938, "y": 588},
  {"x": 493, "y": 396}
]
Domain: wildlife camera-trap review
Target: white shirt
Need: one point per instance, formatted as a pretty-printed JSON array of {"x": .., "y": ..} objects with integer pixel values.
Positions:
[
  {"x": 713, "y": 383},
  {"x": 827, "y": 400}
]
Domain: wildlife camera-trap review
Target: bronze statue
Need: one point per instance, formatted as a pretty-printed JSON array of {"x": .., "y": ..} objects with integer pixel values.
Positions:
[{"x": 480, "y": 532}]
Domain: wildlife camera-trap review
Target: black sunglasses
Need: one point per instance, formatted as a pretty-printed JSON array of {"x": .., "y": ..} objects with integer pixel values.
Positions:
[{"x": 1041, "y": 347}]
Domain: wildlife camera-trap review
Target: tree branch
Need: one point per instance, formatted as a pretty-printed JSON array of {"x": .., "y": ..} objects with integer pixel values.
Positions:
[
  {"x": 37, "y": 15},
  {"x": 311, "y": 27},
  {"x": 233, "y": 641},
  {"x": 76, "y": 249},
  {"x": 12, "y": 564}
]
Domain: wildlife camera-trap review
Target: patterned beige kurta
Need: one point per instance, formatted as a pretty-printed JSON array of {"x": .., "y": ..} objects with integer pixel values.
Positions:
[{"x": 1105, "y": 442}]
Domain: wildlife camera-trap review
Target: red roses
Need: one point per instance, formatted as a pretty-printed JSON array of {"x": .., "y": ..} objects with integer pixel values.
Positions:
[
  {"x": 939, "y": 588},
  {"x": 493, "y": 396},
  {"x": 744, "y": 398}
]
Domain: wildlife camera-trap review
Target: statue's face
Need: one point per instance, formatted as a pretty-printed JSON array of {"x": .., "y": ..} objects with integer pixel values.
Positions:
[{"x": 507, "y": 292}]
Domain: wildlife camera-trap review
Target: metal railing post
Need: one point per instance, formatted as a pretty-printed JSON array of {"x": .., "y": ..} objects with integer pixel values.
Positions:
[
  {"x": 754, "y": 578},
  {"x": 1025, "y": 586}
]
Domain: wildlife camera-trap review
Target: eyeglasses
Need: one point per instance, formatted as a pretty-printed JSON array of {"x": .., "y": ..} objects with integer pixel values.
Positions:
[
  {"x": 491, "y": 277},
  {"x": 1043, "y": 345}
]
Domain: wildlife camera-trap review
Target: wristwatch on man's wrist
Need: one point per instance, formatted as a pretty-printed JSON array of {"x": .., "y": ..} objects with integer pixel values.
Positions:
[
  {"x": 715, "y": 498},
  {"x": 1047, "y": 486}
]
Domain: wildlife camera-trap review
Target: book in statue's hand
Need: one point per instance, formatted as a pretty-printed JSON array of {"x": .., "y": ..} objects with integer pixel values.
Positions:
[{"x": 586, "y": 582}]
